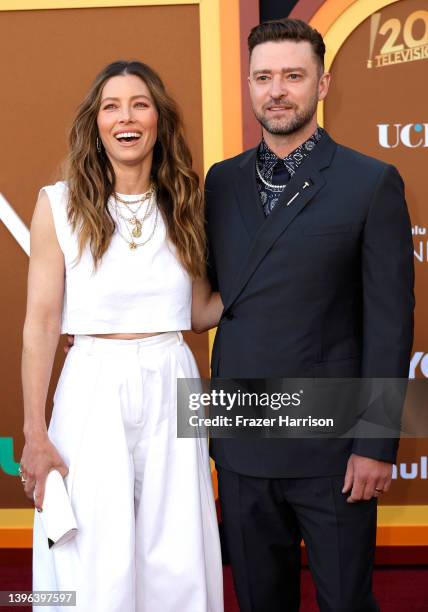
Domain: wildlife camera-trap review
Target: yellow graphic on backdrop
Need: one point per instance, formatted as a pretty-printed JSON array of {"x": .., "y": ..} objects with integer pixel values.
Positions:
[{"x": 404, "y": 41}]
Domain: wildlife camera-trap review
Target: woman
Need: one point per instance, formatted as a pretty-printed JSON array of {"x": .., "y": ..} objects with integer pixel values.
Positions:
[{"x": 114, "y": 250}]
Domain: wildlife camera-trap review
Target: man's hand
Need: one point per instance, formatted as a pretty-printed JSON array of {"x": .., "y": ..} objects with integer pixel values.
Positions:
[
  {"x": 366, "y": 478},
  {"x": 69, "y": 343}
]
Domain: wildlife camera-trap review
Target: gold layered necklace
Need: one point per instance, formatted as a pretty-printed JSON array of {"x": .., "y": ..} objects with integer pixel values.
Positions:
[{"x": 135, "y": 223}]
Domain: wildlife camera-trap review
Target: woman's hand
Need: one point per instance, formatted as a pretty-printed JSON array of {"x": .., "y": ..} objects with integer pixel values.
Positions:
[
  {"x": 39, "y": 457},
  {"x": 207, "y": 305}
]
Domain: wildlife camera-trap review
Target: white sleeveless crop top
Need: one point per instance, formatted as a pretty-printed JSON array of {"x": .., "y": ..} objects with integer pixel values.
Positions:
[{"x": 142, "y": 290}]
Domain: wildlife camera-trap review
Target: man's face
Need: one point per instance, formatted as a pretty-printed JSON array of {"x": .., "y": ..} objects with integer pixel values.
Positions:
[{"x": 285, "y": 85}]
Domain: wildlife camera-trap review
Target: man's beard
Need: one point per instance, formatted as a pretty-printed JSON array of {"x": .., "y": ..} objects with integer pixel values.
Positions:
[{"x": 284, "y": 127}]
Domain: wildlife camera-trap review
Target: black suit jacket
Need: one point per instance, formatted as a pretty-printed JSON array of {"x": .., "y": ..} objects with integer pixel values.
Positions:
[{"x": 322, "y": 287}]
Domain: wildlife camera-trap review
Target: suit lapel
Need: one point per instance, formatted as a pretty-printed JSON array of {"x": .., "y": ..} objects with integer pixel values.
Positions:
[
  {"x": 247, "y": 194},
  {"x": 302, "y": 187}
]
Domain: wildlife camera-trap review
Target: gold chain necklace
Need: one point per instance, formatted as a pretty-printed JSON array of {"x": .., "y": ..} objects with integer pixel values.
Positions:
[
  {"x": 144, "y": 196},
  {"x": 134, "y": 220},
  {"x": 136, "y": 231},
  {"x": 134, "y": 245}
]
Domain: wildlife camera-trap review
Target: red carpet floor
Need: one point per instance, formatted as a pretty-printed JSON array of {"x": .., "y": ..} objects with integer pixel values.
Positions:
[{"x": 398, "y": 589}]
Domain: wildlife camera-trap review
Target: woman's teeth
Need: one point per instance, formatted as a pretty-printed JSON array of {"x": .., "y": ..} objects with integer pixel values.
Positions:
[{"x": 127, "y": 136}]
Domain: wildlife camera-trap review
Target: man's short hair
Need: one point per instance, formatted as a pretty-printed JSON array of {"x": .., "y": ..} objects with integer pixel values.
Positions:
[{"x": 287, "y": 29}]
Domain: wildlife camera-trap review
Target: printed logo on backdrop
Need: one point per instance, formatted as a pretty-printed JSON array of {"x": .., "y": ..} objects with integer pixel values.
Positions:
[
  {"x": 420, "y": 243},
  {"x": 14, "y": 224},
  {"x": 410, "y": 135},
  {"x": 7, "y": 462},
  {"x": 419, "y": 365},
  {"x": 411, "y": 471},
  {"x": 396, "y": 41}
]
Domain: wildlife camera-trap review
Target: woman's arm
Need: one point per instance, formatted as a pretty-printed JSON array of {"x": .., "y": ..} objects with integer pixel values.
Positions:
[
  {"x": 40, "y": 339},
  {"x": 206, "y": 305}
]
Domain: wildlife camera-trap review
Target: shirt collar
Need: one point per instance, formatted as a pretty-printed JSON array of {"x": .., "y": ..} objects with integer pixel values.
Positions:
[{"x": 267, "y": 159}]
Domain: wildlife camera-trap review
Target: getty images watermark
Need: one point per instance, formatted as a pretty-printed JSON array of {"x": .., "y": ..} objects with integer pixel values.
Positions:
[
  {"x": 265, "y": 408},
  {"x": 228, "y": 401}
]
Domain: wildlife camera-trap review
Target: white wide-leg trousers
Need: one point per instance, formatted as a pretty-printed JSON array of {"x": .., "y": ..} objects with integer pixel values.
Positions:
[{"x": 148, "y": 538}]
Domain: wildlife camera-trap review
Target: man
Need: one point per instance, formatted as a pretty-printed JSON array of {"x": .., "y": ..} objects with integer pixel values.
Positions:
[{"x": 310, "y": 247}]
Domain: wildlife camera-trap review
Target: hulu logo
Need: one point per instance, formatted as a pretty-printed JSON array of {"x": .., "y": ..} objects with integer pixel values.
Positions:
[{"x": 7, "y": 463}]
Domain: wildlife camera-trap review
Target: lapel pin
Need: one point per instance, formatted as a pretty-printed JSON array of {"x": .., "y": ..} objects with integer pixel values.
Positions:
[
  {"x": 293, "y": 198},
  {"x": 306, "y": 184}
]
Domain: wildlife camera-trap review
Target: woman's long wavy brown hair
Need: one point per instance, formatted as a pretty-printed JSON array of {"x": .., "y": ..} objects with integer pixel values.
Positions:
[{"x": 91, "y": 178}]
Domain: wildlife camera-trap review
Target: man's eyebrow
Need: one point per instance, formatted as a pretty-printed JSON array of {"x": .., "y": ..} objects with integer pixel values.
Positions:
[
  {"x": 283, "y": 70},
  {"x": 132, "y": 98}
]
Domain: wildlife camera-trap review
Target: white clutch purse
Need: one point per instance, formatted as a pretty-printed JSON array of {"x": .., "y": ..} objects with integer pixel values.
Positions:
[{"x": 57, "y": 516}]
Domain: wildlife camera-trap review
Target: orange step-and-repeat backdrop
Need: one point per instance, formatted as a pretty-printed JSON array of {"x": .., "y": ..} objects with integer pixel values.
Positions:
[{"x": 377, "y": 51}]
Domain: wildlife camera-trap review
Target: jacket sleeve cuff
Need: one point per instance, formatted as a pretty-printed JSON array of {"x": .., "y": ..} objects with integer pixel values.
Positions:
[{"x": 382, "y": 449}]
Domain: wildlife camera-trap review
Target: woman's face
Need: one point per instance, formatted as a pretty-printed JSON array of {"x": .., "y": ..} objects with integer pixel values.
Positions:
[{"x": 127, "y": 120}]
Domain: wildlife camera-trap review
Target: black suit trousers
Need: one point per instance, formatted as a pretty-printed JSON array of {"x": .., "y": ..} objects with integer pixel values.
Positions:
[{"x": 264, "y": 522}]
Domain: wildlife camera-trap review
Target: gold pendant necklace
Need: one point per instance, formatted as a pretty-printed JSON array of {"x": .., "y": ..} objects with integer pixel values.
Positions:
[
  {"x": 134, "y": 225},
  {"x": 136, "y": 232},
  {"x": 134, "y": 245}
]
